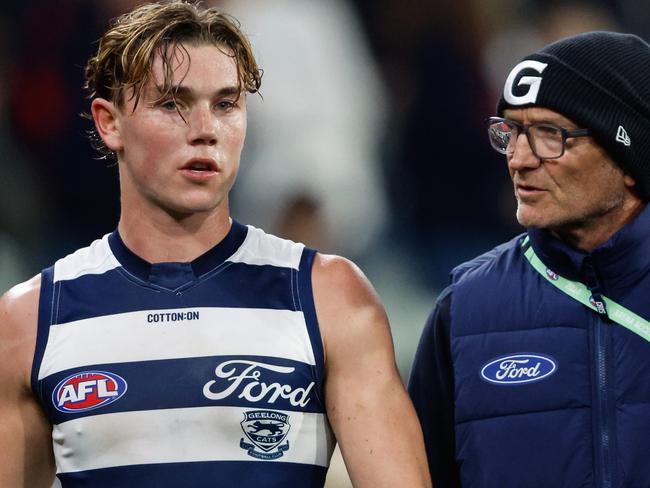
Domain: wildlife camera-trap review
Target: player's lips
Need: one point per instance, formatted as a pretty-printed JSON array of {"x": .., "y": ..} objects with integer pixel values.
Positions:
[
  {"x": 201, "y": 164},
  {"x": 200, "y": 169}
]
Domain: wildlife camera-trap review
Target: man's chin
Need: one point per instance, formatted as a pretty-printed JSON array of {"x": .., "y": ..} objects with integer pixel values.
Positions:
[{"x": 531, "y": 218}]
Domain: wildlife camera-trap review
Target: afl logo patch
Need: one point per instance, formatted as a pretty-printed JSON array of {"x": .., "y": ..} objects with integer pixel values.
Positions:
[
  {"x": 88, "y": 390},
  {"x": 517, "y": 369}
]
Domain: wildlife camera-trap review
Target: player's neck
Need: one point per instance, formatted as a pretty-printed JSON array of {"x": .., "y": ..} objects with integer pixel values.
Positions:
[{"x": 162, "y": 238}]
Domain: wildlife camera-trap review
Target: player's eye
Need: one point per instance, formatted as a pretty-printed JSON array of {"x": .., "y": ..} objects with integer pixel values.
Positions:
[
  {"x": 169, "y": 105},
  {"x": 226, "y": 105}
]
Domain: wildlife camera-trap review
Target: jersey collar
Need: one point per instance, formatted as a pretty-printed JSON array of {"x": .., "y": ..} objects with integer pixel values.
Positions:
[{"x": 172, "y": 275}]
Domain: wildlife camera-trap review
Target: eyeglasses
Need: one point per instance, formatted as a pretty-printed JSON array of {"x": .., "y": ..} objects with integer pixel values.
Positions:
[{"x": 546, "y": 140}]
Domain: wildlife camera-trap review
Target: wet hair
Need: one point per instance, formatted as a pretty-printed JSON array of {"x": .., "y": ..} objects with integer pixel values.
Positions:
[{"x": 124, "y": 59}]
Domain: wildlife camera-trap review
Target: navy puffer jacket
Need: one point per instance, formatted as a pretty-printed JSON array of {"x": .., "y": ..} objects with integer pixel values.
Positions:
[{"x": 518, "y": 385}]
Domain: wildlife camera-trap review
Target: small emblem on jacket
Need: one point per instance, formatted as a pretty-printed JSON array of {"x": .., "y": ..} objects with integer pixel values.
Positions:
[
  {"x": 552, "y": 274},
  {"x": 517, "y": 369},
  {"x": 266, "y": 430},
  {"x": 87, "y": 390}
]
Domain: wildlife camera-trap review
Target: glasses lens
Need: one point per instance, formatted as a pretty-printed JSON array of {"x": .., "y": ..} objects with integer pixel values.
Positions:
[
  {"x": 546, "y": 140},
  {"x": 500, "y": 133}
]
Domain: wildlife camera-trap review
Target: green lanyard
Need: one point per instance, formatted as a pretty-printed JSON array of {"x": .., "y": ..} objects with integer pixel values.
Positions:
[{"x": 578, "y": 291}]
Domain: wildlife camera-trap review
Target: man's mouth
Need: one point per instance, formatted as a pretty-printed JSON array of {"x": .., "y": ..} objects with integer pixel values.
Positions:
[{"x": 524, "y": 191}]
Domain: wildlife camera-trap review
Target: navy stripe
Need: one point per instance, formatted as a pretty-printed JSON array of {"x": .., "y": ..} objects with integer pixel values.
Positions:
[
  {"x": 236, "y": 285},
  {"x": 43, "y": 326},
  {"x": 222, "y": 474},
  {"x": 179, "y": 383},
  {"x": 306, "y": 298}
]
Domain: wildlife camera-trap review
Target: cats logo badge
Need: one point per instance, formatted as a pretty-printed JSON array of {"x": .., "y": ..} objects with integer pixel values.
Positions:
[{"x": 266, "y": 430}]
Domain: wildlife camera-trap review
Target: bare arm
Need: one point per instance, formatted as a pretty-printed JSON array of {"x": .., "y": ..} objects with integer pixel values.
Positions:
[
  {"x": 25, "y": 435},
  {"x": 367, "y": 405}
]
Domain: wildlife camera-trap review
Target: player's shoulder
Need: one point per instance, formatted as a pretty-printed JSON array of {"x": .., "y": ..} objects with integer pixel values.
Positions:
[
  {"x": 19, "y": 306},
  {"x": 340, "y": 277},
  {"x": 261, "y": 248},
  {"x": 495, "y": 260},
  {"x": 18, "y": 324},
  {"x": 20, "y": 301},
  {"x": 96, "y": 258},
  {"x": 349, "y": 310},
  {"x": 344, "y": 297}
]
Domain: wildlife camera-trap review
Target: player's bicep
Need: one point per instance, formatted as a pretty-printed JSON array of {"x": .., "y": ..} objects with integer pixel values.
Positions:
[
  {"x": 367, "y": 404},
  {"x": 25, "y": 434},
  {"x": 25, "y": 443}
]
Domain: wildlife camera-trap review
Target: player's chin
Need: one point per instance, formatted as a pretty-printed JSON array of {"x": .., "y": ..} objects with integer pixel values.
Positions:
[{"x": 196, "y": 204}]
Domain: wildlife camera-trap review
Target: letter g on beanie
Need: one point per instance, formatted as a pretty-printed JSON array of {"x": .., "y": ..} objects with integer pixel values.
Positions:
[{"x": 601, "y": 81}]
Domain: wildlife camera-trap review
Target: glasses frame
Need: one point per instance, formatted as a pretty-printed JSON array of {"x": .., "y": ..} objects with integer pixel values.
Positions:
[{"x": 524, "y": 129}]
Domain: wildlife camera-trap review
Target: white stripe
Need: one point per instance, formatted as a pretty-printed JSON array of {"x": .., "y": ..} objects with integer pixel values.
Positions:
[
  {"x": 261, "y": 248},
  {"x": 179, "y": 435},
  {"x": 94, "y": 259},
  {"x": 130, "y": 337}
]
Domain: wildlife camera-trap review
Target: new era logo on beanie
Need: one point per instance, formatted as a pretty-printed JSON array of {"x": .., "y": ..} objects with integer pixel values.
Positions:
[
  {"x": 601, "y": 81},
  {"x": 622, "y": 137}
]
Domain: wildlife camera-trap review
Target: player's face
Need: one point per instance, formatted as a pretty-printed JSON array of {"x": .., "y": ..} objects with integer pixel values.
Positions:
[
  {"x": 182, "y": 154},
  {"x": 581, "y": 188}
]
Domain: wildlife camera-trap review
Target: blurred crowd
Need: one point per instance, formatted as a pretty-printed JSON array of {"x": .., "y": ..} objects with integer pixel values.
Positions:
[{"x": 367, "y": 139}]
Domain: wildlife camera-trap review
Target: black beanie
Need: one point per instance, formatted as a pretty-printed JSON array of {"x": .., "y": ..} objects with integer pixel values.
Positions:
[{"x": 601, "y": 81}]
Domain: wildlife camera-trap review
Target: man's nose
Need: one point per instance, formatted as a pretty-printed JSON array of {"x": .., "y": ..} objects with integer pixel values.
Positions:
[{"x": 522, "y": 155}]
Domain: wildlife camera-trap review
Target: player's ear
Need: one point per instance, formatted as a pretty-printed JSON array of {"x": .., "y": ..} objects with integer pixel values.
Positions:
[{"x": 105, "y": 116}]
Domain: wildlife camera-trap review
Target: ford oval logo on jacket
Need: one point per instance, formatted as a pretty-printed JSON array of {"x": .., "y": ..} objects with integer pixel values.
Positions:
[
  {"x": 88, "y": 390},
  {"x": 517, "y": 369}
]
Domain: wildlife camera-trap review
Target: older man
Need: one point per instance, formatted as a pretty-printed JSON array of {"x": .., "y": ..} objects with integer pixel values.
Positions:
[{"x": 534, "y": 367}]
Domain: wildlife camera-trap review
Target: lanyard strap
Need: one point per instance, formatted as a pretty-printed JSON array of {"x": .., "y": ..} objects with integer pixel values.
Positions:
[{"x": 579, "y": 291}]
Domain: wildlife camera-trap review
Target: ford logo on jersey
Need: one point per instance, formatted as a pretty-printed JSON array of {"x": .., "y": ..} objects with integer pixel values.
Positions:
[
  {"x": 88, "y": 390},
  {"x": 517, "y": 369}
]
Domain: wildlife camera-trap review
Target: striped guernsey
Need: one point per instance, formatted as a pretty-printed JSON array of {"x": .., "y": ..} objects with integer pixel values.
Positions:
[{"x": 199, "y": 374}]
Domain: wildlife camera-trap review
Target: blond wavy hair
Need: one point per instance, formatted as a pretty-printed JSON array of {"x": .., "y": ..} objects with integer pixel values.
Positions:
[{"x": 124, "y": 58}]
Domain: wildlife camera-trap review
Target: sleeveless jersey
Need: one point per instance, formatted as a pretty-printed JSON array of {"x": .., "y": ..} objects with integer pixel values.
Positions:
[{"x": 200, "y": 374}]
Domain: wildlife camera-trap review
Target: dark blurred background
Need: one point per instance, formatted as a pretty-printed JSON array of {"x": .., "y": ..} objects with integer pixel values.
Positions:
[{"x": 368, "y": 142}]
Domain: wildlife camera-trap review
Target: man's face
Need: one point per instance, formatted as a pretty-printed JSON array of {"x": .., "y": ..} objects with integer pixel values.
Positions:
[
  {"x": 575, "y": 191},
  {"x": 183, "y": 166}
]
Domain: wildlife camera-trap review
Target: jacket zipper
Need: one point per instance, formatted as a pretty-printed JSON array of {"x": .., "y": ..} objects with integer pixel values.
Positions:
[
  {"x": 604, "y": 455},
  {"x": 603, "y": 411}
]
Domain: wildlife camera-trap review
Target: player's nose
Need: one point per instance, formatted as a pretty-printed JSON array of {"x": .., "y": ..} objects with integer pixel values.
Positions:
[{"x": 203, "y": 126}]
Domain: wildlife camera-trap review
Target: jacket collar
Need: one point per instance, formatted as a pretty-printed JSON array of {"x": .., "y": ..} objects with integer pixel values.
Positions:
[{"x": 620, "y": 261}]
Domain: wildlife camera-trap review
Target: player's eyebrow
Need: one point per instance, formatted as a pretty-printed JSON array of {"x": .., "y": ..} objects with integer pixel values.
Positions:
[{"x": 182, "y": 90}]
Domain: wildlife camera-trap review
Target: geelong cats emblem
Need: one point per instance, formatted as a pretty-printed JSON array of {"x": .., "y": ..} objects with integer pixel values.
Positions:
[{"x": 266, "y": 430}]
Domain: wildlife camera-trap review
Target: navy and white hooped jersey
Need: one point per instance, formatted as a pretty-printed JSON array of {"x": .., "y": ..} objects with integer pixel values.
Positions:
[{"x": 201, "y": 374}]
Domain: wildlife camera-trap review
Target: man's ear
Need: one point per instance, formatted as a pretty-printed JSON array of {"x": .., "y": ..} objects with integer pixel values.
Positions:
[
  {"x": 629, "y": 181},
  {"x": 108, "y": 127}
]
